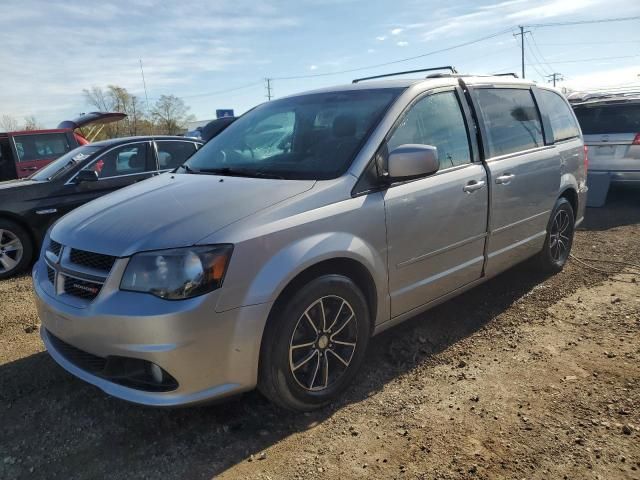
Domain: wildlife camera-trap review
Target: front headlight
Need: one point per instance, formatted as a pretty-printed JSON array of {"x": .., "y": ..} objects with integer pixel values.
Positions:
[{"x": 177, "y": 274}]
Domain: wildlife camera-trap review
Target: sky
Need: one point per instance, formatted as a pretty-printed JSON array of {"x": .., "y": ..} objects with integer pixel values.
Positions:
[{"x": 216, "y": 54}]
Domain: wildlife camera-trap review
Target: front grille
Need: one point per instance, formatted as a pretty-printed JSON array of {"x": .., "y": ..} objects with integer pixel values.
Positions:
[
  {"x": 51, "y": 274},
  {"x": 81, "y": 288},
  {"x": 96, "y": 261},
  {"x": 80, "y": 358},
  {"x": 55, "y": 247}
]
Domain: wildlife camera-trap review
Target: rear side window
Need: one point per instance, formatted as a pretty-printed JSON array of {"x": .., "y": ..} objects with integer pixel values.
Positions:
[
  {"x": 605, "y": 119},
  {"x": 41, "y": 146},
  {"x": 436, "y": 120},
  {"x": 173, "y": 154},
  {"x": 512, "y": 120},
  {"x": 562, "y": 121}
]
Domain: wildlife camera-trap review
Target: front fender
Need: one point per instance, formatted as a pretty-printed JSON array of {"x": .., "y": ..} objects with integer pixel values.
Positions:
[{"x": 294, "y": 258}]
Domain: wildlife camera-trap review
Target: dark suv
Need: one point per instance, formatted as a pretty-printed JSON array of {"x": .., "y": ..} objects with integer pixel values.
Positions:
[{"x": 29, "y": 206}]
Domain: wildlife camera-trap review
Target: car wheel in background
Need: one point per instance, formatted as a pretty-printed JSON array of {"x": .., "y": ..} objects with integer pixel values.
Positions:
[
  {"x": 16, "y": 249},
  {"x": 314, "y": 344}
]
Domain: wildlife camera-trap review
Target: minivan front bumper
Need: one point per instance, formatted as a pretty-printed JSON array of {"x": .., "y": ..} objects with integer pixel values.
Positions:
[{"x": 210, "y": 354}]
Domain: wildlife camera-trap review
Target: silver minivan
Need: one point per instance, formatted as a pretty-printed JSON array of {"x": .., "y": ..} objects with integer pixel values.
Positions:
[{"x": 310, "y": 224}]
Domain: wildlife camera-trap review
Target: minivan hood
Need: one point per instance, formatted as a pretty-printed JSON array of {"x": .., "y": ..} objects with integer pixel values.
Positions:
[{"x": 169, "y": 211}]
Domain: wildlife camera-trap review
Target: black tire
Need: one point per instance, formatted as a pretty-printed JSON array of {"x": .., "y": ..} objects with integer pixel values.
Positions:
[
  {"x": 289, "y": 326},
  {"x": 559, "y": 239},
  {"x": 9, "y": 231}
]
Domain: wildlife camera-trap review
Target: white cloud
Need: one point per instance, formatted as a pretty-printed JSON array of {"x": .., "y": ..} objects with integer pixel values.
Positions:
[
  {"x": 381, "y": 38},
  {"x": 402, "y": 44},
  {"x": 371, "y": 50},
  {"x": 397, "y": 31},
  {"x": 313, "y": 67},
  {"x": 620, "y": 77},
  {"x": 551, "y": 9}
]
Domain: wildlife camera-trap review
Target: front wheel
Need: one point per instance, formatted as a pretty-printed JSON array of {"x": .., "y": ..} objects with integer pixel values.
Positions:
[
  {"x": 559, "y": 239},
  {"x": 16, "y": 249},
  {"x": 314, "y": 344}
]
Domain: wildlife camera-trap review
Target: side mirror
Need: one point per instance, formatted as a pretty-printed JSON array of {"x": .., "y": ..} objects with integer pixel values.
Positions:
[
  {"x": 87, "y": 176},
  {"x": 411, "y": 161}
]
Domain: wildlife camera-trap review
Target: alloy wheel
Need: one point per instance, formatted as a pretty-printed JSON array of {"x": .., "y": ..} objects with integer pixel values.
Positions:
[
  {"x": 11, "y": 250},
  {"x": 323, "y": 343},
  {"x": 559, "y": 237}
]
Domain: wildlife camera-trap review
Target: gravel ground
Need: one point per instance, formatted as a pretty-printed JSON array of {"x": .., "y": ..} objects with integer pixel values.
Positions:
[{"x": 525, "y": 377}]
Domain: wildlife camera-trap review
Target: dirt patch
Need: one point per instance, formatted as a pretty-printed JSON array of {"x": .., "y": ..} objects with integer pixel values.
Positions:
[{"x": 523, "y": 377}]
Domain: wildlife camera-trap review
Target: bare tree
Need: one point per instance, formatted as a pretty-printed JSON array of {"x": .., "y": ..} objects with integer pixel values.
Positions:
[
  {"x": 171, "y": 115},
  {"x": 98, "y": 98},
  {"x": 8, "y": 123},
  {"x": 30, "y": 123}
]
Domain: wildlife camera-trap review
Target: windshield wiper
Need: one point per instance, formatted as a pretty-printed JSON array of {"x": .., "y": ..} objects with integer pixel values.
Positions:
[{"x": 236, "y": 172}]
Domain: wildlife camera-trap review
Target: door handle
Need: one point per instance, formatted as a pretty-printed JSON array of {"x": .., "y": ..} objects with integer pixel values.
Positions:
[
  {"x": 505, "y": 178},
  {"x": 473, "y": 185},
  {"x": 29, "y": 169}
]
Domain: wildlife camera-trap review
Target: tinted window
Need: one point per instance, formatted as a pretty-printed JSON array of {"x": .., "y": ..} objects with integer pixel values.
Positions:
[
  {"x": 600, "y": 119},
  {"x": 174, "y": 154},
  {"x": 313, "y": 136},
  {"x": 562, "y": 121},
  {"x": 124, "y": 160},
  {"x": 42, "y": 145},
  {"x": 511, "y": 119},
  {"x": 436, "y": 120}
]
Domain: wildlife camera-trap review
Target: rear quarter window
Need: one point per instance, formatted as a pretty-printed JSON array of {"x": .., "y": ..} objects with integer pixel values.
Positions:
[
  {"x": 511, "y": 119},
  {"x": 562, "y": 120},
  {"x": 607, "y": 119}
]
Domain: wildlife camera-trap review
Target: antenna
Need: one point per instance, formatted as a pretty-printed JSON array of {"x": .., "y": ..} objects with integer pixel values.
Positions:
[{"x": 146, "y": 97}]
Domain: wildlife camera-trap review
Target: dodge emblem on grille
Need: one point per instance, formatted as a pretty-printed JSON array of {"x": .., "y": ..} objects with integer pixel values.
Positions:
[{"x": 92, "y": 290}]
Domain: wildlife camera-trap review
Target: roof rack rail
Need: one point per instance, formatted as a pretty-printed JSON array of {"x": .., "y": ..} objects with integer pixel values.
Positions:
[
  {"x": 506, "y": 74},
  {"x": 448, "y": 67}
]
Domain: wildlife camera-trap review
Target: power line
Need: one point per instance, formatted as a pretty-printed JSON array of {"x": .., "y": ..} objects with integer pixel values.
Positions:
[
  {"x": 540, "y": 62},
  {"x": 220, "y": 92},
  {"x": 583, "y": 22},
  {"x": 590, "y": 59},
  {"x": 537, "y": 48},
  {"x": 368, "y": 67}
]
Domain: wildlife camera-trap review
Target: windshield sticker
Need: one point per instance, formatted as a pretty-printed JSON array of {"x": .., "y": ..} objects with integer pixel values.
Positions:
[{"x": 80, "y": 156}]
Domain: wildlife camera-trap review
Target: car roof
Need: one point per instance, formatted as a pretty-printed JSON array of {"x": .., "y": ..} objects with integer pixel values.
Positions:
[
  {"x": 430, "y": 81},
  {"x": 146, "y": 138}
]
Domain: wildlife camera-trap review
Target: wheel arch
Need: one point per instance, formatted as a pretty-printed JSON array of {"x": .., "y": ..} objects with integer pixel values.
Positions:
[
  {"x": 348, "y": 267},
  {"x": 571, "y": 195}
]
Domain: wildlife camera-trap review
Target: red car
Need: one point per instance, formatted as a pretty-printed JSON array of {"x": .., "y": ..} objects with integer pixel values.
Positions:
[{"x": 24, "y": 152}]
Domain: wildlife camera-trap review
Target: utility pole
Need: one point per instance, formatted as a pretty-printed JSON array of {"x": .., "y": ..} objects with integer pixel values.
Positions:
[
  {"x": 555, "y": 77},
  {"x": 522, "y": 33},
  {"x": 269, "y": 88}
]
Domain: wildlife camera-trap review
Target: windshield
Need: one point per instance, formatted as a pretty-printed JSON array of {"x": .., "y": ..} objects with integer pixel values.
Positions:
[
  {"x": 607, "y": 119},
  {"x": 64, "y": 163},
  {"x": 308, "y": 137}
]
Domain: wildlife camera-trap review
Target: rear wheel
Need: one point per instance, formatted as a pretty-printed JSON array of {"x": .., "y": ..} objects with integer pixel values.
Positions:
[
  {"x": 314, "y": 344},
  {"x": 557, "y": 244}
]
